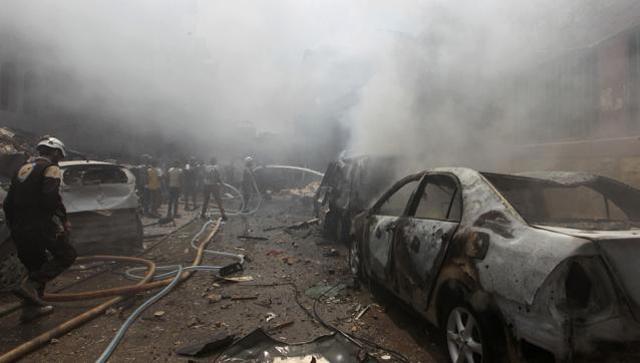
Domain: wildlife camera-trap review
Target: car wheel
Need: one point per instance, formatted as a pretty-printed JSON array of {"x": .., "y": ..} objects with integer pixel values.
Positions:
[
  {"x": 470, "y": 337},
  {"x": 355, "y": 264}
]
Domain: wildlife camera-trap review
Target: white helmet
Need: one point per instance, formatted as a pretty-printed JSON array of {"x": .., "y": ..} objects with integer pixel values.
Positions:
[
  {"x": 52, "y": 143},
  {"x": 248, "y": 160}
]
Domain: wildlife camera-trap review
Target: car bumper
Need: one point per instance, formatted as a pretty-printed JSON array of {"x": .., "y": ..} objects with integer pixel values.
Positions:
[
  {"x": 616, "y": 339},
  {"x": 106, "y": 232}
]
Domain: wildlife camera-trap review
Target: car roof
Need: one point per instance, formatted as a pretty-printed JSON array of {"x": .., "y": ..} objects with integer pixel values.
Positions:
[{"x": 560, "y": 177}]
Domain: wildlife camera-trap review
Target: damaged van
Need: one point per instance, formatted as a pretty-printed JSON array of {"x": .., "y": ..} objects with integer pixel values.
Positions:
[
  {"x": 102, "y": 206},
  {"x": 510, "y": 266}
]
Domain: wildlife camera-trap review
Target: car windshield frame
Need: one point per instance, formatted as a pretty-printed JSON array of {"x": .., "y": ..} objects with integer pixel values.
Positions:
[
  {"x": 624, "y": 197},
  {"x": 81, "y": 170}
]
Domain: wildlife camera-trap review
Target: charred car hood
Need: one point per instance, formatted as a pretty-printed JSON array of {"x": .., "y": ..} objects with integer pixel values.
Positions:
[{"x": 621, "y": 252}]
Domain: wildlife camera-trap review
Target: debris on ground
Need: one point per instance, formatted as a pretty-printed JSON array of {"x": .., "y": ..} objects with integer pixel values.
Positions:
[
  {"x": 274, "y": 252},
  {"x": 247, "y": 297},
  {"x": 206, "y": 346},
  {"x": 326, "y": 348},
  {"x": 238, "y": 279},
  {"x": 230, "y": 269},
  {"x": 289, "y": 260},
  {"x": 214, "y": 298},
  {"x": 256, "y": 238},
  {"x": 362, "y": 312},
  {"x": 331, "y": 253},
  {"x": 294, "y": 226},
  {"x": 281, "y": 326},
  {"x": 270, "y": 316},
  {"x": 322, "y": 289}
]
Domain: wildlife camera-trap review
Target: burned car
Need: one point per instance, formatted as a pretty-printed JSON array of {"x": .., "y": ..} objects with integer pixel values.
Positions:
[
  {"x": 102, "y": 207},
  {"x": 510, "y": 266},
  {"x": 348, "y": 187}
]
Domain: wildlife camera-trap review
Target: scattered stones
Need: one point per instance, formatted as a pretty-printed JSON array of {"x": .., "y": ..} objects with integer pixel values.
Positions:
[{"x": 214, "y": 298}]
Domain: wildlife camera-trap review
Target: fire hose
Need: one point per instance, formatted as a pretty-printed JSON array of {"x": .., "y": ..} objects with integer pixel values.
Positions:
[
  {"x": 235, "y": 190},
  {"x": 92, "y": 313}
]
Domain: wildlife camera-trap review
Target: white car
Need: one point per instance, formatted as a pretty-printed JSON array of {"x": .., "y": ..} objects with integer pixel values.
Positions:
[{"x": 102, "y": 206}]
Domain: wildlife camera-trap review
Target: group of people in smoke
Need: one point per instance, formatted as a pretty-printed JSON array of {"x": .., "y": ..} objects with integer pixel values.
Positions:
[
  {"x": 37, "y": 217},
  {"x": 188, "y": 180}
]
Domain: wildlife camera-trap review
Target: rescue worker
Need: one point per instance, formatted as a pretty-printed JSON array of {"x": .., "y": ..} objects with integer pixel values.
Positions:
[
  {"x": 174, "y": 176},
  {"x": 248, "y": 183},
  {"x": 38, "y": 222},
  {"x": 212, "y": 184}
]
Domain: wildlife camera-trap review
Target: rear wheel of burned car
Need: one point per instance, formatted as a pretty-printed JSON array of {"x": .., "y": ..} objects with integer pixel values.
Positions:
[
  {"x": 472, "y": 337},
  {"x": 355, "y": 258}
]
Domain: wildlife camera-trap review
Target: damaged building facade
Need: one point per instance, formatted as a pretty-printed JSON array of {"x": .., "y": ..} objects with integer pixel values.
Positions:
[{"x": 578, "y": 108}]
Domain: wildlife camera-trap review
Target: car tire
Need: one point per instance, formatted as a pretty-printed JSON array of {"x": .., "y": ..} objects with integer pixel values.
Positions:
[
  {"x": 355, "y": 261},
  {"x": 473, "y": 335}
]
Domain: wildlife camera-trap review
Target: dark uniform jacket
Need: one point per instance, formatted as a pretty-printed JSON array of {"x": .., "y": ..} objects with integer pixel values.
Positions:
[{"x": 34, "y": 197}]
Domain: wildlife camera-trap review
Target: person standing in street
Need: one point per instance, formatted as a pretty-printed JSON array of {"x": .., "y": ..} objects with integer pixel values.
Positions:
[
  {"x": 190, "y": 183},
  {"x": 212, "y": 184},
  {"x": 153, "y": 188},
  {"x": 248, "y": 183},
  {"x": 175, "y": 182},
  {"x": 37, "y": 219}
]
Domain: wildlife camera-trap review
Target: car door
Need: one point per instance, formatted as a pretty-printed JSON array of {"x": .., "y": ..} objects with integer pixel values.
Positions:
[
  {"x": 421, "y": 239},
  {"x": 381, "y": 223}
]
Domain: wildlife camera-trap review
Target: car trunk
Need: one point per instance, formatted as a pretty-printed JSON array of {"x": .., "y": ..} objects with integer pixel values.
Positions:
[{"x": 621, "y": 251}]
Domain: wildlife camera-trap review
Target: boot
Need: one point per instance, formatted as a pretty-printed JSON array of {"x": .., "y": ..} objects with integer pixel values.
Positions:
[
  {"x": 30, "y": 291},
  {"x": 32, "y": 312}
]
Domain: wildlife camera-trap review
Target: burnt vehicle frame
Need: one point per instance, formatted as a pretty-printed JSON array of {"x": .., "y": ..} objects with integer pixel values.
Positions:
[
  {"x": 350, "y": 184},
  {"x": 551, "y": 291}
]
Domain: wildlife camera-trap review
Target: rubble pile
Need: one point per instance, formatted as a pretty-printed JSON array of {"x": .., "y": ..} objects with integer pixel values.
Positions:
[{"x": 13, "y": 142}]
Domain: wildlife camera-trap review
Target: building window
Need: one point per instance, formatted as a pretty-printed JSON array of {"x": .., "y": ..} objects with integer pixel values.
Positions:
[{"x": 8, "y": 87}]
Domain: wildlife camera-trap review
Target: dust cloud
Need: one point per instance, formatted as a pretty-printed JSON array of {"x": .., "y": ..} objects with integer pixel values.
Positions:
[{"x": 294, "y": 80}]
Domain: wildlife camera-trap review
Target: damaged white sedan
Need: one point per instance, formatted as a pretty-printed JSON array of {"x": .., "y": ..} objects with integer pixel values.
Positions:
[
  {"x": 510, "y": 267},
  {"x": 102, "y": 206}
]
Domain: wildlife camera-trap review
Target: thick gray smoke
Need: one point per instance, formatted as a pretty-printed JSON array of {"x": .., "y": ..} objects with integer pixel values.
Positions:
[{"x": 289, "y": 78}]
